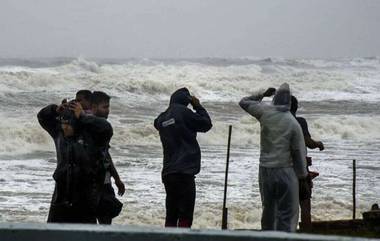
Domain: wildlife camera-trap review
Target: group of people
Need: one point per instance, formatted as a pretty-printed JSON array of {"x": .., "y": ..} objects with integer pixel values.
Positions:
[
  {"x": 81, "y": 133},
  {"x": 285, "y": 181},
  {"x": 83, "y": 192}
]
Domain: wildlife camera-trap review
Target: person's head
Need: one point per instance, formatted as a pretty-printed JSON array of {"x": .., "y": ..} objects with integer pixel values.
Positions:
[
  {"x": 294, "y": 105},
  {"x": 84, "y": 98},
  {"x": 100, "y": 104},
  {"x": 282, "y": 96},
  {"x": 181, "y": 96},
  {"x": 375, "y": 206}
]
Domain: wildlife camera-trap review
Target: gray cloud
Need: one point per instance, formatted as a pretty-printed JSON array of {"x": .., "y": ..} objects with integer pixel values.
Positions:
[{"x": 196, "y": 28}]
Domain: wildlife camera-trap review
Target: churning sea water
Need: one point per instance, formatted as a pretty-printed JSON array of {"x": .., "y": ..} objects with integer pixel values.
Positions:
[{"x": 340, "y": 99}]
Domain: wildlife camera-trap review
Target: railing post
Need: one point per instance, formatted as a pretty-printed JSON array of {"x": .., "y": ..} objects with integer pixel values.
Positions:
[
  {"x": 354, "y": 190},
  {"x": 225, "y": 210}
]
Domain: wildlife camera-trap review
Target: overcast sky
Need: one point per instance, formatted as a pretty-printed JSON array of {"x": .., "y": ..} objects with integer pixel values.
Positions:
[{"x": 189, "y": 28}]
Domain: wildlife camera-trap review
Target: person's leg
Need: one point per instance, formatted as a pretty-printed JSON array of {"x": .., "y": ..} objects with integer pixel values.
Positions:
[
  {"x": 171, "y": 201},
  {"x": 82, "y": 213},
  {"x": 186, "y": 201},
  {"x": 107, "y": 191},
  {"x": 288, "y": 200},
  {"x": 266, "y": 184},
  {"x": 305, "y": 214},
  {"x": 305, "y": 189},
  {"x": 59, "y": 213}
]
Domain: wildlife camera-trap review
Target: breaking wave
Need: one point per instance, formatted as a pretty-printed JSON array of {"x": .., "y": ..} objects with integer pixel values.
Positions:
[{"x": 310, "y": 79}]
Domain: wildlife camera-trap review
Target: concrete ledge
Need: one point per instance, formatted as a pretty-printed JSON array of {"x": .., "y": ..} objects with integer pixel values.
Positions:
[{"x": 72, "y": 232}]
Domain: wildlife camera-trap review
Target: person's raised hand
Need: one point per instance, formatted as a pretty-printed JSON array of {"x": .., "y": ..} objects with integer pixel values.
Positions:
[
  {"x": 62, "y": 106},
  {"x": 195, "y": 101},
  {"x": 320, "y": 146},
  {"x": 76, "y": 107},
  {"x": 269, "y": 92}
]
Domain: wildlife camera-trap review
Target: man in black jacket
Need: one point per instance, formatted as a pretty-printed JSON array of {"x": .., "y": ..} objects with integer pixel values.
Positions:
[
  {"x": 109, "y": 206},
  {"x": 305, "y": 189},
  {"x": 79, "y": 140},
  {"x": 178, "y": 127}
]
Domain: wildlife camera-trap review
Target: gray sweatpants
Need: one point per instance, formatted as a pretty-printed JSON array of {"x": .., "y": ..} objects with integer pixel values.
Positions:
[{"x": 279, "y": 196}]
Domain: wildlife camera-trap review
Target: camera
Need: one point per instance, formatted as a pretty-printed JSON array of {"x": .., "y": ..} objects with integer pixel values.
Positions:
[
  {"x": 67, "y": 117},
  {"x": 68, "y": 100}
]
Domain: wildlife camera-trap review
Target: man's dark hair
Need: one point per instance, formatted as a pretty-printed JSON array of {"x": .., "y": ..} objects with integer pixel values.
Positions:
[
  {"x": 98, "y": 97},
  {"x": 294, "y": 104},
  {"x": 85, "y": 93}
]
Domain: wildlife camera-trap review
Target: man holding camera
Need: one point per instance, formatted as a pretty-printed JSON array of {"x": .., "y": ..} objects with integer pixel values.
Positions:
[
  {"x": 178, "y": 127},
  {"x": 79, "y": 175}
]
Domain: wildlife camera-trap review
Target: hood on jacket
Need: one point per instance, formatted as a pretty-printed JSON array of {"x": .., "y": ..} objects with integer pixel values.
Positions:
[
  {"x": 282, "y": 98},
  {"x": 181, "y": 96}
]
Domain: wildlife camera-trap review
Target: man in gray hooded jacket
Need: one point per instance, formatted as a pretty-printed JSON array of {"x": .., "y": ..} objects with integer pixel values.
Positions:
[
  {"x": 282, "y": 158},
  {"x": 178, "y": 127}
]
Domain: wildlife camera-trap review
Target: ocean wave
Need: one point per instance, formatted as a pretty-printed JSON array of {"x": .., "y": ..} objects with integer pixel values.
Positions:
[
  {"x": 212, "y": 83},
  {"x": 21, "y": 137}
]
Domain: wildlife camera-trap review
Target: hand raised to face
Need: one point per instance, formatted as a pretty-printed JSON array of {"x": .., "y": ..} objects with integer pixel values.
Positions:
[{"x": 76, "y": 107}]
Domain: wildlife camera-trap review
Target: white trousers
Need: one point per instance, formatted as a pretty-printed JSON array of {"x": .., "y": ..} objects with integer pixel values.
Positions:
[{"x": 279, "y": 196}]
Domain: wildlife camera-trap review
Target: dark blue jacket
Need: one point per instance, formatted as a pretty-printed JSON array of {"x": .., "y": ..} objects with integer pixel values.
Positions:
[{"x": 178, "y": 127}]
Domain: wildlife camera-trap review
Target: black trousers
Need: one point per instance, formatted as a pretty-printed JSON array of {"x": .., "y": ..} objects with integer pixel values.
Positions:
[
  {"x": 62, "y": 212},
  {"x": 180, "y": 200},
  {"x": 73, "y": 214}
]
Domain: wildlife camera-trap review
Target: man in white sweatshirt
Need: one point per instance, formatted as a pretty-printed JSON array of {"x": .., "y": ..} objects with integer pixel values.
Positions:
[{"x": 282, "y": 157}]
